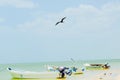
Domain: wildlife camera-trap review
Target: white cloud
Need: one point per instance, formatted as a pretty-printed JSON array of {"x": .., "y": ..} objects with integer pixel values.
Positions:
[
  {"x": 89, "y": 17},
  {"x": 81, "y": 10},
  {"x": 85, "y": 18},
  {"x": 18, "y": 3},
  {"x": 40, "y": 24}
]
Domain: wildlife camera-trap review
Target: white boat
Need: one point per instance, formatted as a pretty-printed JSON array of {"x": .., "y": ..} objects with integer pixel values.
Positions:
[
  {"x": 74, "y": 70},
  {"x": 96, "y": 66},
  {"x": 30, "y": 74}
]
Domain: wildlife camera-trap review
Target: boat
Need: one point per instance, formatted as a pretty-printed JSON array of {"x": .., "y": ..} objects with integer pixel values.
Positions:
[
  {"x": 73, "y": 70},
  {"x": 76, "y": 71},
  {"x": 96, "y": 66},
  {"x": 31, "y": 74}
]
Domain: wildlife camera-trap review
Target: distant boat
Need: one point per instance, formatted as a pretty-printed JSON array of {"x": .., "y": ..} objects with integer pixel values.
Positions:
[
  {"x": 31, "y": 74},
  {"x": 96, "y": 66}
]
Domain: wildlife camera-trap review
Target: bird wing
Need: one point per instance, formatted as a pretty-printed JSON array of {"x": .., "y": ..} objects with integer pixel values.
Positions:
[
  {"x": 57, "y": 23},
  {"x": 62, "y": 19}
]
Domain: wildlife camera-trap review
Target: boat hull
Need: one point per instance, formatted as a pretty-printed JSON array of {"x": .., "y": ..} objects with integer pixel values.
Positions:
[
  {"x": 96, "y": 67},
  {"x": 29, "y": 74}
]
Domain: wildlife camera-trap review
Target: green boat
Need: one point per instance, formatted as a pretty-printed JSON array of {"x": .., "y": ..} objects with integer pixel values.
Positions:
[{"x": 96, "y": 66}]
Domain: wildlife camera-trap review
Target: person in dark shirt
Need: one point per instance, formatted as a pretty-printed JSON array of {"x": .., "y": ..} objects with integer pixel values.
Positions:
[{"x": 62, "y": 71}]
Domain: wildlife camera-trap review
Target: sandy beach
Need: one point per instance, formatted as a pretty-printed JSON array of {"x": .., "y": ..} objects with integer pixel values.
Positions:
[{"x": 98, "y": 75}]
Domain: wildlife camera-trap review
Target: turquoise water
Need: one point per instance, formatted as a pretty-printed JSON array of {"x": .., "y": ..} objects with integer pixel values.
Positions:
[{"x": 4, "y": 75}]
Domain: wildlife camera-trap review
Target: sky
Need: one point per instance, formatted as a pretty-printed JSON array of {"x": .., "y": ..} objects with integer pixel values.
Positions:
[{"x": 28, "y": 33}]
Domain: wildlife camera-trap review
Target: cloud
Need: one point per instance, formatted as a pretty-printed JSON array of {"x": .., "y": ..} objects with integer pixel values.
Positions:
[
  {"x": 40, "y": 25},
  {"x": 18, "y": 3},
  {"x": 84, "y": 18},
  {"x": 88, "y": 16}
]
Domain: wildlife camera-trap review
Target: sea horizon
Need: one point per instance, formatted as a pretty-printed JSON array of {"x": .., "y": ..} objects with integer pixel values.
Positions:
[{"x": 114, "y": 59}]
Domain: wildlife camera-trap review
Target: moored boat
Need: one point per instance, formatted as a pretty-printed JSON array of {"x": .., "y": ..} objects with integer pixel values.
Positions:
[
  {"x": 96, "y": 66},
  {"x": 31, "y": 74}
]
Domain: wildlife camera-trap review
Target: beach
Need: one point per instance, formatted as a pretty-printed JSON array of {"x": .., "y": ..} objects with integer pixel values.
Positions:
[{"x": 109, "y": 74}]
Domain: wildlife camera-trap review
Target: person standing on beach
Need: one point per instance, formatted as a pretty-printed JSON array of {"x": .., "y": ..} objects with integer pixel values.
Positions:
[{"x": 62, "y": 71}]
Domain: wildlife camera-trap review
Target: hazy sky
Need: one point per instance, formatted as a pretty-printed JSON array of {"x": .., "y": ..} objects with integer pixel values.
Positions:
[{"x": 28, "y": 32}]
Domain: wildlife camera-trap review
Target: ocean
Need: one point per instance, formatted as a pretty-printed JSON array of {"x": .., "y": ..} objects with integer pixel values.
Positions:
[{"x": 5, "y": 75}]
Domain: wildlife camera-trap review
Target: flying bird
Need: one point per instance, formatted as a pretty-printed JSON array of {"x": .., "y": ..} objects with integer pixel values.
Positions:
[{"x": 60, "y": 21}]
